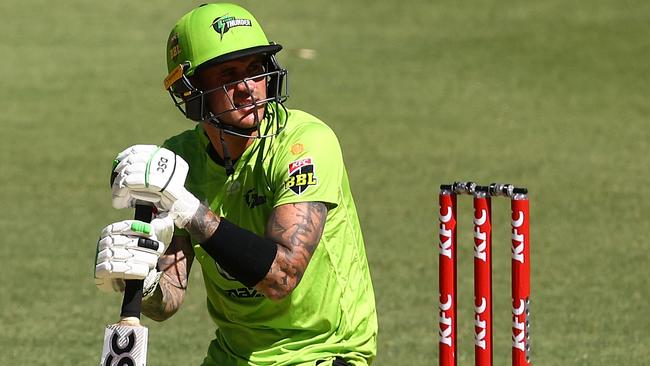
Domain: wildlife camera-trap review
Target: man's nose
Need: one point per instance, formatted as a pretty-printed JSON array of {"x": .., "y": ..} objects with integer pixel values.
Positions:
[{"x": 246, "y": 85}]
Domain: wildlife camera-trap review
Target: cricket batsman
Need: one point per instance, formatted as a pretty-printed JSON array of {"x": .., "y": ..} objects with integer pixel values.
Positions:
[{"x": 258, "y": 194}]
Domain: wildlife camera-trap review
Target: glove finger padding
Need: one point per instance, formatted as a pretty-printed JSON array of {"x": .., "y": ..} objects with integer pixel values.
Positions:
[
  {"x": 130, "y": 249},
  {"x": 121, "y": 257},
  {"x": 131, "y": 170},
  {"x": 136, "y": 150},
  {"x": 149, "y": 169},
  {"x": 157, "y": 175},
  {"x": 127, "y": 270}
]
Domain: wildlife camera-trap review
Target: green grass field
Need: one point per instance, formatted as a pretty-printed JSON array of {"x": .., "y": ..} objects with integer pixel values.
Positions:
[{"x": 551, "y": 95}]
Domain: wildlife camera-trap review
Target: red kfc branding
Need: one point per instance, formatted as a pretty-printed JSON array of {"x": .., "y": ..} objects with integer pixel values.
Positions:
[{"x": 298, "y": 164}]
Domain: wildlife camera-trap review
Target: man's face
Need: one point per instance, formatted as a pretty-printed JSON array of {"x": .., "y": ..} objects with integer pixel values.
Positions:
[{"x": 232, "y": 92}]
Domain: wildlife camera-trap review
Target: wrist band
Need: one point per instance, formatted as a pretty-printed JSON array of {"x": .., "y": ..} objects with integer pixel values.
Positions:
[{"x": 245, "y": 255}]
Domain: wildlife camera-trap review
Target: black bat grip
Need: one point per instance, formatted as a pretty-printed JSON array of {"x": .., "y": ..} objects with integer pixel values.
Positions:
[{"x": 132, "y": 301}]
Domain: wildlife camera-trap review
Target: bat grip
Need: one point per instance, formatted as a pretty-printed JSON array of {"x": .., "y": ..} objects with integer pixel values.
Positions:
[{"x": 132, "y": 301}]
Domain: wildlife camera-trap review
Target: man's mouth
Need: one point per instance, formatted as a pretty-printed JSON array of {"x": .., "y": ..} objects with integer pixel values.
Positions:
[{"x": 248, "y": 102}]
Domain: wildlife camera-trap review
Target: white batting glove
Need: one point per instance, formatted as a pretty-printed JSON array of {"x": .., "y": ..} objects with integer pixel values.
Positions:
[
  {"x": 154, "y": 174},
  {"x": 129, "y": 250}
]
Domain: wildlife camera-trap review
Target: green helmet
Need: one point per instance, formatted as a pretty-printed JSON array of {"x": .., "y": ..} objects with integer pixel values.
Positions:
[{"x": 214, "y": 33}]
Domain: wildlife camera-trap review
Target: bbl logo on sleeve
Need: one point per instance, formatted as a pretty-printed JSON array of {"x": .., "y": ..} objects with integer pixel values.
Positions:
[{"x": 301, "y": 176}]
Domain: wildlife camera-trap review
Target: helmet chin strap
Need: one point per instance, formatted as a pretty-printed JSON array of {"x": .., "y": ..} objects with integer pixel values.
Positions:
[
  {"x": 244, "y": 132},
  {"x": 227, "y": 160},
  {"x": 235, "y": 131},
  {"x": 232, "y": 130}
]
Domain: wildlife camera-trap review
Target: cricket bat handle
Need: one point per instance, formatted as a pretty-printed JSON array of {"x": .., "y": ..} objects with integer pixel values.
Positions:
[{"x": 132, "y": 301}]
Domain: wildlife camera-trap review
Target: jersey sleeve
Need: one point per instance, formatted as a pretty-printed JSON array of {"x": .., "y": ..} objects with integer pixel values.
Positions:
[{"x": 309, "y": 167}]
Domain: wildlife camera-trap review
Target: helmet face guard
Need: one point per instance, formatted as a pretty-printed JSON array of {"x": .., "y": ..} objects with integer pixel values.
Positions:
[
  {"x": 213, "y": 34},
  {"x": 192, "y": 103}
]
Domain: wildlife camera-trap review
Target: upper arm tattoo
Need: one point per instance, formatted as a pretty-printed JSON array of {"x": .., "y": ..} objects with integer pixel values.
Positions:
[{"x": 296, "y": 228}]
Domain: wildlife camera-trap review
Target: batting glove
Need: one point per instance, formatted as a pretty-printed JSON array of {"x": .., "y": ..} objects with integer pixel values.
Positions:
[
  {"x": 129, "y": 250},
  {"x": 154, "y": 174}
]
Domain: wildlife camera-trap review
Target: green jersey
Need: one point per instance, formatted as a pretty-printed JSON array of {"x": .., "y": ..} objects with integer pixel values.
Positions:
[{"x": 332, "y": 311}]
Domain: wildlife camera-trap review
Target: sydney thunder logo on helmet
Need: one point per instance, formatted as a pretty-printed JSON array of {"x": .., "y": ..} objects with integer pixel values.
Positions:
[{"x": 224, "y": 23}]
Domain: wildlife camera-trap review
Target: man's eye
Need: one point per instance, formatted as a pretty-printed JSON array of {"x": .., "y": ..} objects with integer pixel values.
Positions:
[
  {"x": 256, "y": 69},
  {"x": 226, "y": 78}
]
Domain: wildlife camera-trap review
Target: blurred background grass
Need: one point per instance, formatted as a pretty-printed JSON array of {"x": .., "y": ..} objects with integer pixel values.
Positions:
[{"x": 551, "y": 95}]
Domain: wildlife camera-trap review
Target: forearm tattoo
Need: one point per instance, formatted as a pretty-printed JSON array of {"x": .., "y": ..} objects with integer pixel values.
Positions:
[
  {"x": 175, "y": 265},
  {"x": 203, "y": 224},
  {"x": 296, "y": 229}
]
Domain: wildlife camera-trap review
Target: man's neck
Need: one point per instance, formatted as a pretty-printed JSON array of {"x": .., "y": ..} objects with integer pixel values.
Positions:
[{"x": 236, "y": 145}]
